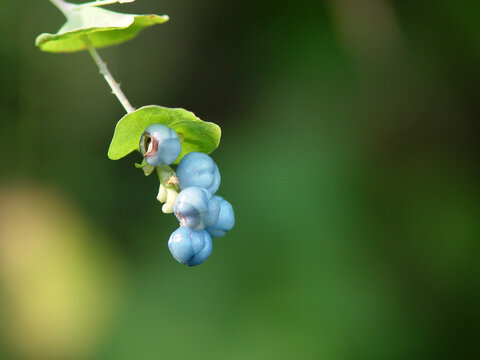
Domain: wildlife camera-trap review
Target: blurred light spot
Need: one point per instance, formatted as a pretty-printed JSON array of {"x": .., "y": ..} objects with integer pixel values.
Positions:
[
  {"x": 58, "y": 279},
  {"x": 368, "y": 29}
]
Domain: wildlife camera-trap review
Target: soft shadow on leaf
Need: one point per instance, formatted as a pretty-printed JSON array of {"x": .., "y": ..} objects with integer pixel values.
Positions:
[
  {"x": 102, "y": 27},
  {"x": 198, "y": 135}
]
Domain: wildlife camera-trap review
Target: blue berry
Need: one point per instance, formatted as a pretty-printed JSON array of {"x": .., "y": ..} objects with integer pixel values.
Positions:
[
  {"x": 198, "y": 169},
  {"x": 190, "y": 247},
  {"x": 225, "y": 221},
  {"x": 196, "y": 209},
  {"x": 160, "y": 145}
]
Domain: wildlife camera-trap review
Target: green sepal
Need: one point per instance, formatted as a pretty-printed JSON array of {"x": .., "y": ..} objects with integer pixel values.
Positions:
[
  {"x": 102, "y": 27},
  {"x": 167, "y": 192},
  {"x": 147, "y": 168},
  {"x": 197, "y": 135}
]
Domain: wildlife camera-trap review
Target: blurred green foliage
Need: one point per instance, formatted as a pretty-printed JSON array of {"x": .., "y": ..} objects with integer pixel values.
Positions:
[{"x": 349, "y": 150}]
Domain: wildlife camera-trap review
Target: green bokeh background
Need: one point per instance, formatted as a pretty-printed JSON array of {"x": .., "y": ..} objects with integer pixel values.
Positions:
[{"x": 349, "y": 150}]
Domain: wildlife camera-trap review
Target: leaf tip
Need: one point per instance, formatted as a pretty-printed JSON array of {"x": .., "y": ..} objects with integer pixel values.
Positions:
[
  {"x": 111, "y": 155},
  {"x": 39, "y": 40}
]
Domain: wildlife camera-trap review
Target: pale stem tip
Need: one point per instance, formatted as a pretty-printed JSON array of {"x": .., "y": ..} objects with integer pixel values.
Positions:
[{"x": 105, "y": 2}]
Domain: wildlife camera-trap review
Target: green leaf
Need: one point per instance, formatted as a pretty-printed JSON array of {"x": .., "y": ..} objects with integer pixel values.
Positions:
[
  {"x": 102, "y": 27},
  {"x": 197, "y": 135}
]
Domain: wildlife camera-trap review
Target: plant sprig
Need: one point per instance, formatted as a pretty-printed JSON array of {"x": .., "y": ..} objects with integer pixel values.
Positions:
[
  {"x": 88, "y": 27},
  {"x": 164, "y": 136}
]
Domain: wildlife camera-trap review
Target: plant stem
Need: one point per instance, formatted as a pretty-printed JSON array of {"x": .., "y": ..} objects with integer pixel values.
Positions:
[
  {"x": 108, "y": 77},
  {"x": 63, "y": 6},
  {"x": 104, "y": 2}
]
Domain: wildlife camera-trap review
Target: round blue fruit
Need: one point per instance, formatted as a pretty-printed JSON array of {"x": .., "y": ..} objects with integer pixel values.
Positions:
[
  {"x": 198, "y": 169},
  {"x": 225, "y": 221},
  {"x": 196, "y": 209},
  {"x": 160, "y": 145},
  {"x": 190, "y": 247}
]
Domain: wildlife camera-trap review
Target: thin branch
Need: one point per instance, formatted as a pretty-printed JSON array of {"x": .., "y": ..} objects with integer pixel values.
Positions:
[
  {"x": 104, "y": 2},
  {"x": 108, "y": 77},
  {"x": 63, "y": 6}
]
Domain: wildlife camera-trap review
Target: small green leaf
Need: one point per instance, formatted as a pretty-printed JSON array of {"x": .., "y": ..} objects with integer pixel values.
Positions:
[
  {"x": 102, "y": 27},
  {"x": 198, "y": 135},
  {"x": 147, "y": 168}
]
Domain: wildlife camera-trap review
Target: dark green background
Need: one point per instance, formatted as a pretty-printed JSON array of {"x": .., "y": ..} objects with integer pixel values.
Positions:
[{"x": 349, "y": 151}]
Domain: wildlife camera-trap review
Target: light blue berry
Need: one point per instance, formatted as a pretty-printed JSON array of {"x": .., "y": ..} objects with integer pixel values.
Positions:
[
  {"x": 225, "y": 221},
  {"x": 190, "y": 247},
  {"x": 198, "y": 169},
  {"x": 160, "y": 145},
  {"x": 196, "y": 209}
]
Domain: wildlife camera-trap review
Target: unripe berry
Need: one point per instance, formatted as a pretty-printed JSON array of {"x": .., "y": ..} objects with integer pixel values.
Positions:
[
  {"x": 198, "y": 169},
  {"x": 225, "y": 221},
  {"x": 160, "y": 145},
  {"x": 190, "y": 247},
  {"x": 196, "y": 209}
]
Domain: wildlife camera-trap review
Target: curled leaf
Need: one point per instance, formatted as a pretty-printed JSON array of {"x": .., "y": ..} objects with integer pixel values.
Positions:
[
  {"x": 102, "y": 27},
  {"x": 198, "y": 135}
]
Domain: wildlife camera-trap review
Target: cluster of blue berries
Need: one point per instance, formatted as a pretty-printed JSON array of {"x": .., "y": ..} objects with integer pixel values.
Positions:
[{"x": 189, "y": 193}]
